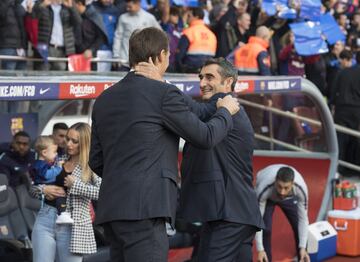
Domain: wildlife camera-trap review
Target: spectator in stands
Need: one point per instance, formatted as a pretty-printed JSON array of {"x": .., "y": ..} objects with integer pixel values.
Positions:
[
  {"x": 63, "y": 242},
  {"x": 282, "y": 186},
  {"x": 218, "y": 10},
  {"x": 243, "y": 29},
  {"x": 346, "y": 101},
  {"x": 253, "y": 58},
  {"x": 16, "y": 160},
  {"x": 58, "y": 20},
  {"x": 174, "y": 33},
  {"x": 196, "y": 45},
  {"x": 119, "y": 4},
  {"x": 343, "y": 22},
  {"x": 239, "y": 35},
  {"x": 354, "y": 32},
  {"x": 159, "y": 9},
  {"x": 13, "y": 40},
  {"x": 332, "y": 63},
  {"x": 110, "y": 15},
  {"x": 226, "y": 25},
  {"x": 45, "y": 170},
  {"x": 135, "y": 18},
  {"x": 93, "y": 34},
  {"x": 346, "y": 59},
  {"x": 59, "y": 136},
  {"x": 292, "y": 63}
]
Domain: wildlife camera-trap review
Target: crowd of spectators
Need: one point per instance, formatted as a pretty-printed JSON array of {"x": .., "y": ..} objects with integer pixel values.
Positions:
[
  {"x": 214, "y": 28},
  {"x": 101, "y": 28}
]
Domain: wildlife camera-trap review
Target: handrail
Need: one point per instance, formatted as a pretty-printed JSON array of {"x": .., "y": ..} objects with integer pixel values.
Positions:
[
  {"x": 289, "y": 114},
  {"x": 55, "y": 59}
]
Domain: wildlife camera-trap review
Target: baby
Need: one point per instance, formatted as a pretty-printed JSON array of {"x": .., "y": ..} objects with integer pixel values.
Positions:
[{"x": 46, "y": 172}]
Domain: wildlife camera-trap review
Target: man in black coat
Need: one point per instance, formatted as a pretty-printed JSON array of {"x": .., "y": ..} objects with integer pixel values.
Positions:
[
  {"x": 216, "y": 186},
  {"x": 347, "y": 107},
  {"x": 136, "y": 126}
]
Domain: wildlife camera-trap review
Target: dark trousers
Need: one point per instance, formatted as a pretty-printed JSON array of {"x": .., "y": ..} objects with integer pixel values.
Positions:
[
  {"x": 289, "y": 207},
  {"x": 226, "y": 242},
  {"x": 137, "y": 240},
  {"x": 348, "y": 145}
]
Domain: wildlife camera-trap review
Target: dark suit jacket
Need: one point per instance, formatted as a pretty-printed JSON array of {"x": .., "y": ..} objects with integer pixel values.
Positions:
[
  {"x": 134, "y": 146},
  {"x": 217, "y": 183}
]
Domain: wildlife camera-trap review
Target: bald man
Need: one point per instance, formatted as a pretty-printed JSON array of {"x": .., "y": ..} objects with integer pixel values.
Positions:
[{"x": 253, "y": 58}]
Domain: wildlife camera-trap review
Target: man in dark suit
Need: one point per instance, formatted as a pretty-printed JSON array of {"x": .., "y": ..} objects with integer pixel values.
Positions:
[
  {"x": 216, "y": 186},
  {"x": 136, "y": 126}
]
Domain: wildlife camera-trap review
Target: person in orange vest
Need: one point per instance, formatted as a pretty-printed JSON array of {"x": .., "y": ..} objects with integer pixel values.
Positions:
[
  {"x": 196, "y": 45},
  {"x": 253, "y": 58}
]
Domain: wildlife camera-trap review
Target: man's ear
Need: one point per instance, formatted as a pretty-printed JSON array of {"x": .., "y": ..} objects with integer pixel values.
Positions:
[
  {"x": 162, "y": 56},
  {"x": 228, "y": 83}
]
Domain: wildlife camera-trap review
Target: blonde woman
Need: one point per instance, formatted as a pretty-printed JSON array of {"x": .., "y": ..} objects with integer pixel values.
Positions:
[{"x": 63, "y": 242}]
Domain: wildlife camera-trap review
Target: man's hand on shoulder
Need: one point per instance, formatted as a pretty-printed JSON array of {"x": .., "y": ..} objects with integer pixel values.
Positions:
[
  {"x": 148, "y": 70},
  {"x": 262, "y": 257},
  {"x": 230, "y": 103}
]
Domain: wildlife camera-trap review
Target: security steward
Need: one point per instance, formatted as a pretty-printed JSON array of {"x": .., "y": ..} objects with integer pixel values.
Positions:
[
  {"x": 253, "y": 58},
  {"x": 196, "y": 45}
]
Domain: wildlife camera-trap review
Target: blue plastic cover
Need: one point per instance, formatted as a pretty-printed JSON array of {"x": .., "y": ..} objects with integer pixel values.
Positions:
[
  {"x": 190, "y": 3},
  {"x": 310, "y": 9},
  {"x": 269, "y": 6},
  {"x": 308, "y": 39},
  {"x": 331, "y": 29}
]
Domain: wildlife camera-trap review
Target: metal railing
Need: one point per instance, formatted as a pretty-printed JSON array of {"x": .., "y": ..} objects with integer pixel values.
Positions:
[
  {"x": 56, "y": 59},
  {"x": 292, "y": 115}
]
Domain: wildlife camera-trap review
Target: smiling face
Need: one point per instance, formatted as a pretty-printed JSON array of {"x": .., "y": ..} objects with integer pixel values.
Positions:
[{"x": 211, "y": 82}]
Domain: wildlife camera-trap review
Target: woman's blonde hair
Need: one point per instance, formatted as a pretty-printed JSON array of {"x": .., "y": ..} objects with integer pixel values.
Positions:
[{"x": 84, "y": 149}]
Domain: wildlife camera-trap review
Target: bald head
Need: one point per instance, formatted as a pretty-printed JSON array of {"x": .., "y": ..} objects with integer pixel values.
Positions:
[{"x": 263, "y": 32}]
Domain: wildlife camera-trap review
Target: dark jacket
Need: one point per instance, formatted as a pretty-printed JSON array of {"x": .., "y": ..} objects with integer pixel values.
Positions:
[
  {"x": 15, "y": 166},
  {"x": 136, "y": 125},
  {"x": 347, "y": 88},
  {"x": 70, "y": 19},
  {"x": 110, "y": 15},
  {"x": 223, "y": 29},
  {"x": 217, "y": 183},
  {"x": 12, "y": 28},
  {"x": 93, "y": 32}
]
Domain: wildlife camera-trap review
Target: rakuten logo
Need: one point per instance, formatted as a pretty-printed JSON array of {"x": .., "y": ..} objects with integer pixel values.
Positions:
[{"x": 79, "y": 90}]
